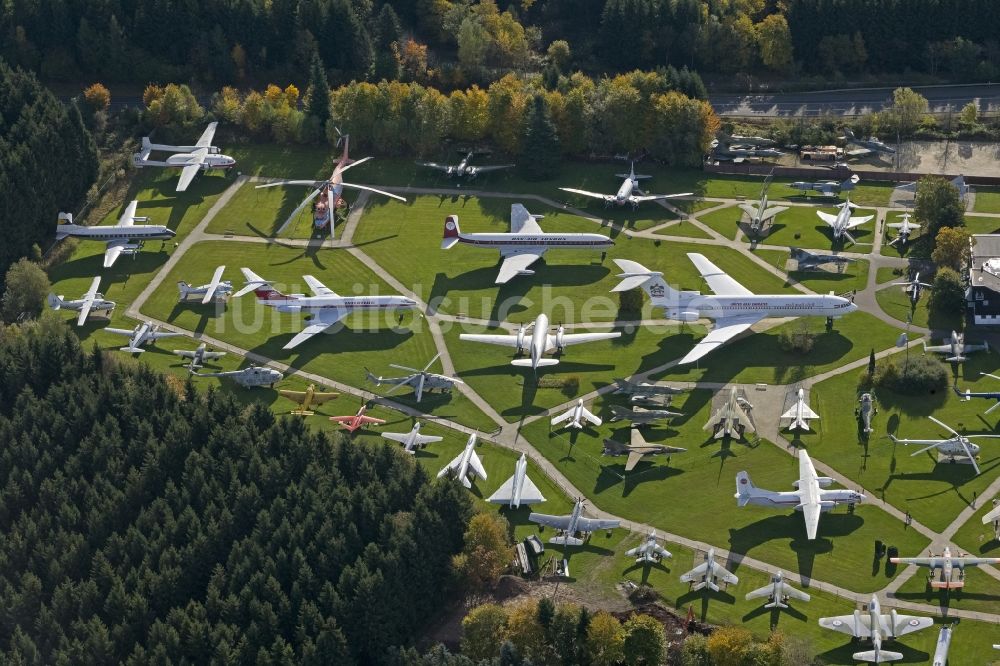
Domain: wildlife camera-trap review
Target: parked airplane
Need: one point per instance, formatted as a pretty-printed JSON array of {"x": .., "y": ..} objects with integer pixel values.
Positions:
[
  {"x": 518, "y": 489},
  {"x": 571, "y": 524},
  {"x": 732, "y": 419},
  {"x": 800, "y": 414},
  {"x": 649, "y": 551},
  {"x": 866, "y": 410},
  {"x": 358, "y": 420},
  {"x": 827, "y": 188},
  {"x": 733, "y": 307},
  {"x": 91, "y": 301},
  {"x": 325, "y": 305},
  {"x": 330, "y": 191},
  {"x": 958, "y": 182},
  {"x": 990, "y": 395},
  {"x": 744, "y": 140},
  {"x": 626, "y": 193},
  {"x": 723, "y": 150},
  {"x": 412, "y": 440},
  {"x": 464, "y": 167},
  {"x": 249, "y": 377},
  {"x": 708, "y": 573},
  {"x": 524, "y": 245},
  {"x": 946, "y": 564},
  {"x": 199, "y": 356},
  {"x": 957, "y": 347},
  {"x": 842, "y": 222},
  {"x": 216, "y": 289},
  {"x": 758, "y": 211},
  {"x": 202, "y": 156},
  {"x": 306, "y": 399},
  {"x": 903, "y": 229},
  {"x": 778, "y": 592},
  {"x": 466, "y": 465},
  {"x": 956, "y": 446},
  {"x": 144, "y": 333},
  {"x": 636, "y": 448},
  {"x": 576, "y": 415},
  {"x": 420, "y": 380},
  {"x": 913, "y": 287},
  {"x": 539, "y": 343},
  {"x": 646, "y": 392},
  {"x": 992, "y": 515},
  {"x": 876, "y": 626},
  {"x": 117, "y": 237},
  {"x": 640, "y": 416},
  {"x": 808, "y": 496},
  {"x": 941, "y": 648},
  {"x": 869, "y": 145},
  {"x": 806, "y": 260}
]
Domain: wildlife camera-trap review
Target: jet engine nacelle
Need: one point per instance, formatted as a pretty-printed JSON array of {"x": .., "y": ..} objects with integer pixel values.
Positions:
[
  {"x": 824, "y": 481},
  {"x": 684, "y": 315},
  {"x": 131, "y": 249},
  {"x": 289, "y": 309}
]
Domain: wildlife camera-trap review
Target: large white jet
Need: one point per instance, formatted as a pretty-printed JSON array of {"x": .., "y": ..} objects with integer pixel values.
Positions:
[
  {"x": 876, "y": 626},
  {"x": 144, "y": 333},
  {"x": 524, "y": 245},
  {"x": 649, "y": 551},
  {"x": 539, "y": 343},
  {"x": 778, "y": 592},
  {"x": 202, "y": 156},
  {"x": 733, "y": 307},
  {"x": 808, "y": 496},
  {"x": 518, "y": 489},
  {"x": 91, "y": 301},
  {"x": 842, "y": 222},
  {"x": 627, "y": 191},
  {"x": 800, "y": 414},
  {"x": 708, "y": 573},
  {"x": 216, "y": 289},
  {"x": 466, "y": 465},
  {"x": 118, "y": 237},
  {"x": 956, "y": 347},
  {"x": 412, "y": 440},
  {"x": 571, "y": 524},
  {"x": 946, "y": 563},
  {"x": 325, "y": 305},
  {"x": 576, "y": 415}
]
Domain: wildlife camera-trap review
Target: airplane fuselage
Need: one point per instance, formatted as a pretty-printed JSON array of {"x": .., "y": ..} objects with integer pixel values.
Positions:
[
  {"x": 114, "y": 233},
  {"x": 316, "y": 304},
  {"x": 778, "y": 305},
  {"x": 508, "y": 241},
  {"x": 211, "y": 161},
  {"x": 100, "y": 303},
  {"x": 520, "y": 471}
]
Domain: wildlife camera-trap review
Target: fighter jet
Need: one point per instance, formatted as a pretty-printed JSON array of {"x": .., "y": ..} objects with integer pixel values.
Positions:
[
  {"x": 524, "y": 244},
  {"x": 144, "y": 333},
  {"x": 744, "y": 140},
  {"x": 571, "y": 524},
  {"x": 941, "y": 648},
  {"x": 800, "y": 414},
  {"x": 876, "y": 626},
  {"x": 540, "y": 342},
  {"x": 640, "y": 416},
  {"x": 808, "y": 496},
  {"x": 946, "y": 564},
  {"x": 827, "y": 188},
  {"x": 989, "y": 395},
  {"x": 869, "y": 145},
  {"x": 91, "y": 301},
  {"x": 733, "y": 307},
  {"x": 466, "y": 465},
  {"x": 903, "y": 229},
  {"x": 199, "y": 356},
  {"x": 842, "y": 222},
  {"x": 202, "y": 156},
  {"x": 518, "y": 489},
  {"x": 464, "y": 168},
  {"x": 956, "y": 446},
  {"x": 626, "y": 193},
  {"x": 646, "y": 392},
  {"x": 576, "y": 415},
  {"x": 358, "y": 420},
  {"x": 957, "y": 347},
  {"x": 958, "y": 182},
  {"x": 247, "y": 377},
  {"x": 412, "y": 440},
  {"x": 992, "y": 515},
  {"x": 758, "y": 211},
  {"x": 119, "y": 238},
  {"x": 912, "y": 287},
  {"x": 637, "y": 448},
  {"x": 649, "y": 551},
  {"x": 217, "y": 289},
  {"x": 724, "y": 151},
  {"x": 732, "y": 419},
  {"x": 865, "y": 411},
  {"x": 806, "y": 260},
  {"x": 778, "y": 592},
  {"x": 307, "y": 399},
  {"x": 420, "y": 380},
  {"x": 708, "y": 573}
]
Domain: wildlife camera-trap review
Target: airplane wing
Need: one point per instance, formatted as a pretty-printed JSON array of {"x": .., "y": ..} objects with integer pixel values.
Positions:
[
  {"x": 587, "y": 414},
  {"x": 159, "y": 335},
  {"x": 761, "y": 592},
  {"x": 695, "y": 574},
  {"x": 213, "y": 285},
  {"x": 991, "y": 516},
  {"x": 476, "y": 464},
  {"x": 492, "y": 167},
  {"x": 633, "y": 459},
  {"x": 504, "y": 340},
  {"x": 88, "y": 301},
  {"x": 585, "y": 193},
  {"x": 370, "y": 419},
  {"x": 931, "y": 562},
  {"x": 790, "y": 591},
  {"x": 565, "y": 416},
  {"x": 504, "y": 493},
  {"x": 185, "y": 353},
  {"x": 975, "y": 561},
  {"x": 845, "y": 624},
  {"x": 748, "y": 208},
  {"x": 210, "y": 355},
  {"x": 940, "y": 349},
  {"x": 576, "y": 338},
  {"x": 725, "y": 330},
  {"x": 434, "y": 165},
  {"x": 530, "y": 494},
  {"x": 658, "y": 197},
  {"x": 317, "y": 287},
  {"x": 725, "y": 574},
  {"x": 557, "y": 522},
  {"x": 324, "y": 320},
  {"x": 521, "y": 221},
  {"x": 811, "y": 512},
  {"x": 858, "y": 221},
  {"x": 594, "y": 524},
  {"x": 189, "y": 172},
  {"x": 772, "y": 211},
  {"x": 807, "y": 413},
  {"x": 120, "y": 331},
  {"x": 128, "y": 217},
  {"x": 829, "y": 218},
  {"x": 516, "y": 262},
  {"x": 718, "y": 281},
  {"x": 205, "y": 140},
  {"x": 114, "y": 250},
  {"x": 907, "y": 624}
]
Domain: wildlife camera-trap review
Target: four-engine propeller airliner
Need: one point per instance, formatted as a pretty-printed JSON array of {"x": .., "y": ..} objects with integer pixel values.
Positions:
[
  {"x": 628, "y": 192},
  {"x": 126, "y": 237}
]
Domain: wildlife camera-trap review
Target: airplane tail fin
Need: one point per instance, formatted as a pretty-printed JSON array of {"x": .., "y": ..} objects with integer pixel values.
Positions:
[
  {"x": 369, "y": 376},
  {"x": 956, "y": 359},
  {"x": 451, "y": 232},
  {"x": 877, "y": 656},
  {"x": 55, "y": 302},
  {"x": 776, "y": 604},
  {"x": 635, "y": 275},
  {"x": 565, "y": 540},
  {"x": 261, "y": 287},
  {"x": 744, "y": 488},
  {"x": 850, "y": 182},
  {"x": 526, "y": 362}
]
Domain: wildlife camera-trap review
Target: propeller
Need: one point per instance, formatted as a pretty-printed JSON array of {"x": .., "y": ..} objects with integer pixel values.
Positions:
[{"x": 964, "y": 441}]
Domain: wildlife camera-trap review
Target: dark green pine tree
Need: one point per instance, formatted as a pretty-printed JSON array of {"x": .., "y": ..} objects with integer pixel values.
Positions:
[
  {"x": 387, "y": 36},
  {"x": 317, "y": 103},
  {"x": 871, "y": 363},
  {"x": 541, "y": 151}
]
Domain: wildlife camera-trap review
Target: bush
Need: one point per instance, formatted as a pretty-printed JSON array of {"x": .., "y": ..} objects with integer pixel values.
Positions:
[
  {"x": 800, "y": 341},
  {"x": 917, "y": 376}
]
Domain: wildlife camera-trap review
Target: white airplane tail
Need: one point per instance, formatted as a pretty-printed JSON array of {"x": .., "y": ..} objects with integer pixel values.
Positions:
[
  {"x": 56, "y": 302},
  {"x": 744, "y": 489},
  {"x": 703, "y": 584},
  {"x": 877, "y": 656},
  {"x": 635, "y": 275},
  {"x": 542, "y": 362},
  {"x": 565, "y": 540}
]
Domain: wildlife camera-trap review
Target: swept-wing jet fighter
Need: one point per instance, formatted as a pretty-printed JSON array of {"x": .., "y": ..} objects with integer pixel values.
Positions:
[
  {"x": 799, "y": 414},
  {"x": 571, "y": 524},
  {"x": 956, "y": 446},
  {"x": 144, "y": 333},
  {"x": 576, "y": 415},
  {"x": 869, "y": 145},
  {"x": 732, "y": 419},
  {"x": 646, "y": 392},
  {"x": 420, "y": 380},
  {"x": 628, "y": 192},
  {"x": 904, "y": 229},
  {"x": 358, "y": 420},
  {"x": 778, "y": 592},
  {"x": 913, "y": 287},
  {"x": 202, "y": 156},
  {"x": 465, "y": 167},
  {"x": 250, "y": 377},
  {"x": 636, "y": 448},
  {"x": 945, "y": 564},
  {"x": 518, "y": 489},
  {"x": 199, "y": 356},
  {"x": 806, "y": 260},
  {"x": 307, "y": 399},
  {"x": 877, "y": 627},
  {"x": 826, "y": 188},
  {"x": 216, "y": 289},
  {"x": 466, "y": 465},
  {"x": 91, "y": 301},
  {"x": 842, "y": 222},
  {"x": 956, "y": 347},
  {"x": 708, "y": 574},
  {"x": 758, "y": 211},
  {"x": 640, "y": 416},
  {"x": 412, "y": 440},
  {"x": 119, "y": 238},
  {"x": 649, "y": 551}
]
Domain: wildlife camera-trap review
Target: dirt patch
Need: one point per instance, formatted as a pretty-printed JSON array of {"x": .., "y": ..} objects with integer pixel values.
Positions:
[{"x": 676, "y": 627}]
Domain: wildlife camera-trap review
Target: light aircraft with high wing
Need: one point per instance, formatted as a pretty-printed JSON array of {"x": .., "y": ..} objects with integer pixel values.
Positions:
[
  {"x": 778, "y": 592},
  {"x": 466, "y": 465},
  {"x": 809, "y": 495},
  {"x": 518, "y": 489},
  {"x": 306, "y": 399},
  {"x": 649, "y": 551},
  {"x": 126, "y": 237},
  {"x": 576, "y": 415},
  {"x": 913, "y": 287},
  {"x": 708, "y": 574},
  {"x": 216, "y": 289},
  {"x": 628, "y": 192},
  {"x": 91, "y": 301},
  {"x": 843, "y": 222},
  {"x": 956, "y": 347},
  {"x": 904, "y": 229},
  {"x": 866, "y": 146},
  {"x": 733, "y": 307},
  {"x": 412, "y": 440},
  {"x": 199, "y": 356},
  {"x": 202, "y": 156},
  {"x": 249, "y": 377},
  {"x": 732, "y": 419},
  {"x": 989, "y": 395},
  {"x": 572, "y": 524},
  {"x": 144, "y": 333},
  {"x": 827, "y": 188},
  {"x": 325, "y": 305},
  {"x": 359, "y": 420},
  {"x": 524, "y": 244},
  {"x": 946, "y": 564},
  {"x": 640, "y": 416},
  {"x": 465, "y": 167},
  {"x": 799, "y": 414},
  {"x": 877, "y": 627},
  {"x": 636, "y": 448},
  {"x": 537, "y": 344},
  {"x": 420, "y": 380},
  {"x": 955, "y": 446}
]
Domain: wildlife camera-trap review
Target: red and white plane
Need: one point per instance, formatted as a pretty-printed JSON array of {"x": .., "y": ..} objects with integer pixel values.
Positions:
[{"x": 359, "y": 420}]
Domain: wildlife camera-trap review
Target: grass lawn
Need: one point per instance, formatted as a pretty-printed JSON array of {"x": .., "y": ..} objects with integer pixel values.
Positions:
[
  {"x": 980, "y": 224},
  {"x": 278, "y": 161},
  {"x": 724, "y": 221},
  {"x": 799, "y": 226},
  {"x": 854, "y": 276},
  {"x": 889, "y": 274},
  {"x": 987, "y": 200},
  {"x": 981, "y": 592},
  {"x": 897, "y": 304},
  {"x": 976, "y": 538},
  {"x": 261, "y": 212},
  {"x": 684, "y": 229}
]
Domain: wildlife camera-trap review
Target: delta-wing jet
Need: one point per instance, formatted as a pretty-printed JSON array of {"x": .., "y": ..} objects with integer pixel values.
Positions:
[
  {"x": 466, "y": 465},
  {"x": 628, "y": 192},
  {"x": 216, "y": 289},
  {"x": 126, "y": 237},
  {"x": 202, "y": 156},
  {"x": 306, "y": 399},
  {"x": 800, "y": 413},
  {"x": 732, "y": 419},
  {"x": 91, "y": 301},
  {"x": 636, "y": 448},
  {"x": 842, "y": 223},
  {"x": 144, "y": 333},
  {"x": 877, "y": 627},
  {"x": 649, "y": 551},
  {"x": 572, "y": 524},
  {"x": 412, "y": 440},
  {"x": 778, "y": 592},
  {"x": 945, "y": 564},
  {"x": 956, "y": 347},
  {"x": 518, "y": 489},
  {"x": 708, "y": 574},
  {"x": 464, "y": 168},
  {"x": 199, "y": 356},
  {"x": 576, "y": 415}
]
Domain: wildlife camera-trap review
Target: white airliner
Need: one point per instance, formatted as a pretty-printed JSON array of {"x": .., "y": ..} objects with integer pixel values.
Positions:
[
  {"x": 649, "y": 550},
  {"x": 733, "y": 307},
  {"x": 524, "y": 245},
  {"x": 518, "y": 489},
  {"x": 800, "y": 414},
  {"x": 216, "y": 289},
  {"x": 466, "y": 465},
  {"x": 576, "y": 415},
  {"x": 202, "y": 156},
  {"x": 325, "y": 306},
  {"x": 117, "y": 237},
  {"x": 626, "y": 193},
  {"x": 876, "y": 626},
  {"x": 956, "y": 347},
  {"x": 808, "y": 496},
  {"x": 571, "y": 524},
  {"x": 144, "y": 333},
  {"x": 540, "y": 342},
  {"x": 946, "y": 563},
  {"x": 778, "y": 592},
  {"x": 708, "y": 573},
  {"x": 91, "y": 301},
  {"x": 842, "y": 222},
  {"x": 412, "y": 440}
]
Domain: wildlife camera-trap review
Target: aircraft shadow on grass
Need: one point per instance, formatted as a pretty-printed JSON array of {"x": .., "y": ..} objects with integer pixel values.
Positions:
[
  {"x": 791, "y": 526},
  {"x": 645, "y": 471},
  {"x": 845, "y": 653},
  {"x": 647, "y": 568},
  {"x": 775, "y": 613},
  {"x": 944, "y": 597},
  {"x": 705, "y": 595},
  {"x": 346, "y": 340}
]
